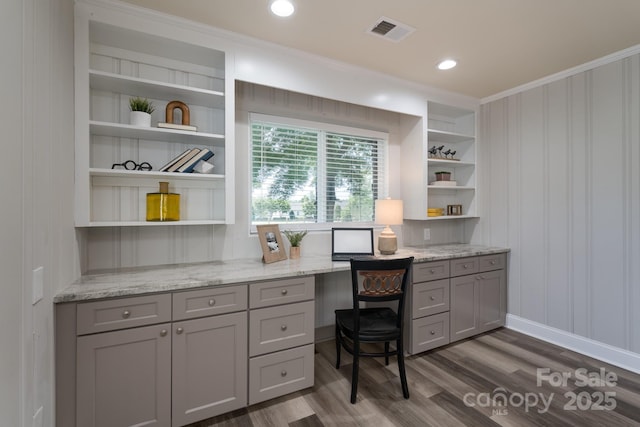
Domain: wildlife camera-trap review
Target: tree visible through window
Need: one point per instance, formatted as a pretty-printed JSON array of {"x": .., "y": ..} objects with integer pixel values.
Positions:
[{"x": 313, "y": 173}]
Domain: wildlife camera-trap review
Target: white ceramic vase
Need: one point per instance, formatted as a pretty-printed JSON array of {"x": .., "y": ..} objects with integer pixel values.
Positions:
[{"x": 140, "y": 118}]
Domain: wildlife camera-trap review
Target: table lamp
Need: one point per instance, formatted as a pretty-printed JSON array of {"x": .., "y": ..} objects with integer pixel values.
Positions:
[{"x": 388, "y": 212}]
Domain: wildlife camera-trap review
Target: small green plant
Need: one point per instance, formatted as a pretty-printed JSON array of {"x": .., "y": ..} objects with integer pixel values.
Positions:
[
  {"x": 295, "y": 237},
  {"x": 141, "y": 104}
]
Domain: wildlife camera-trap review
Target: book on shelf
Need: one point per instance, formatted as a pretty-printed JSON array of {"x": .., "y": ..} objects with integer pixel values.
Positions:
[
  {"x": 204, "y": 154},
  {"x": 184, "y": 159},
  {"x": 175, "y": 159},
  {"x": 178, "y": 127}
]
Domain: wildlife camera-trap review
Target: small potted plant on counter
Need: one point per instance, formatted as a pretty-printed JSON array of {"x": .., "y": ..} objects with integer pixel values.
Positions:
[
  {"x": 141, "y": 109},
  {"x": 295, "y": 238}
]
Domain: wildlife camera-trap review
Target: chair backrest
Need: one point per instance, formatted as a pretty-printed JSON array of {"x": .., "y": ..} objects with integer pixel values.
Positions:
[{"x": 380, "y": 280}]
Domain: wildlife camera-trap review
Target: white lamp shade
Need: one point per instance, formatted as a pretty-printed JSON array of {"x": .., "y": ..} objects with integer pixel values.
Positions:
[{"x": 389, "y": 212}]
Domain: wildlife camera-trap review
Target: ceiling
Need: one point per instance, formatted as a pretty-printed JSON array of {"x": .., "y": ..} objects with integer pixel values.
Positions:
[{"x": 499, "y": 44}]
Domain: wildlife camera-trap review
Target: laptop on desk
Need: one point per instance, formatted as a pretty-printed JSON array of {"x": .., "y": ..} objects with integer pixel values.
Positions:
[{"x": 347, "y": 243}]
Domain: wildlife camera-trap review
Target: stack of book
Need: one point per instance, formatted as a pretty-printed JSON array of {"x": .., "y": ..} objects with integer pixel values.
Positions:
[{"x": 187, "y": 160}]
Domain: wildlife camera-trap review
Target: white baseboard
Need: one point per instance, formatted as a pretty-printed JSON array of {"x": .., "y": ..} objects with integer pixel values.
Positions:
[{"x": 613, "y": 355}]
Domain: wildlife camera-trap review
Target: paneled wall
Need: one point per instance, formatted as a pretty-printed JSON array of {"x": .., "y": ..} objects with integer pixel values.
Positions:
[
  {"x": 559, "y": 172},
  {"x": 36, "y": 190}
]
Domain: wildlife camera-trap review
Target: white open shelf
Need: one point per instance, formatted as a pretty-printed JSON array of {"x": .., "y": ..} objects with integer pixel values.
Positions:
[
  {"x": 134, "y": 86},
  {"x": 447, "y": 137},
  {"x": 120, "y": 130}
]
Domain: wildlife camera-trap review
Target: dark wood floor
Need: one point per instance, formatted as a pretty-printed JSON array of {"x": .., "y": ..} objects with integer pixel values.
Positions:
[{"x": 463, "y": 384}]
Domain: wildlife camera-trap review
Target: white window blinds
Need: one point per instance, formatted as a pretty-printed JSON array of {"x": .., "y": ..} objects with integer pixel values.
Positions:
[{"x": 304, "y": 172}]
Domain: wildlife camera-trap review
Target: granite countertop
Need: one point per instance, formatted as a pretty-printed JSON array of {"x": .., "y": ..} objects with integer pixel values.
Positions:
[{"x": 140, "y": 281}]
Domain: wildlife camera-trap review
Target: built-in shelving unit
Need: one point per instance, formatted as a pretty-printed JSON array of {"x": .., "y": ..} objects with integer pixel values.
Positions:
[
  {"x": 453, "y": 129},
  {"x": 115, "y": 63}
]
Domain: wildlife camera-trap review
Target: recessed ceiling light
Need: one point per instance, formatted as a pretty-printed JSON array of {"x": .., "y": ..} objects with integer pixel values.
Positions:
[
  {"x": 447, "y": 64},
  {"x": 282, "y": 7}
]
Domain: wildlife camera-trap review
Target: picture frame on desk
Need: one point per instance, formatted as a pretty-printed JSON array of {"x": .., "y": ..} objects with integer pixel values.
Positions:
[{"x": 271, "y": 243}]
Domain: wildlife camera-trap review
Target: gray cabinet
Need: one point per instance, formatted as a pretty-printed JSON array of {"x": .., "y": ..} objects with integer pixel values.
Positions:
[
  {"x": 133, "y": 371},
  {"x": 455, "y": 299},
  {"x": 124, "y": 378},
  {"x": 281, "y": 336},
  {"x": 209, "y": 368},
  {"x": 429, "y": 307},
  {"x": 478, "y": 300}
]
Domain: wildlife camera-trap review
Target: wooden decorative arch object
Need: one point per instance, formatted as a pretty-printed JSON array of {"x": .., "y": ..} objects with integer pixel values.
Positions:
[{"x": 186, "y": 120}]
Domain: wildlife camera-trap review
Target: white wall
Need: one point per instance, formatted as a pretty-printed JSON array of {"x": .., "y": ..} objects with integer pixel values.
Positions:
[
  {"x": 37, "y": 198},
  {"x": 560, "y": 178},
  {"x": 11, "y": 225}
]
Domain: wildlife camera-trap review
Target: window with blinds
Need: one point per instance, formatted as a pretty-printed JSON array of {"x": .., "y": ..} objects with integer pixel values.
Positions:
[{"x": 314, "y": 173}]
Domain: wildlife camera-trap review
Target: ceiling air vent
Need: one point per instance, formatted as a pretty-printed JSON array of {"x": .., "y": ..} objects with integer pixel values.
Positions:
[{"x": 390, "y": 29}]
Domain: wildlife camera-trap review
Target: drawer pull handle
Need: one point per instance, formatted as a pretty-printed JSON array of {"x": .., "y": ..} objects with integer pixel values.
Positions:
[
  {"x": 179, "y": 331},
  {"x": 283, "y": 373},
  {"x": 465, "y": 266},
  {"x": 433, "y": 332},
  {"x": 212, "y": 302},
  {"x": 284, "y": 292},
  {"x": 283, "y": 327},
  {"x": 163, "y": 333},
  {"x": 432, "y": 271},
  {"x": 126, "y": 314},
  {"x": 432, "y": 298},
  {"x": 493, "y": 262}
]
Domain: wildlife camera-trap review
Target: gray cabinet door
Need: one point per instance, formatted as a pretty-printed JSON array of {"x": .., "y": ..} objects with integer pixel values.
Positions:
[
  {"x": 209, "y": 367},
  {"x": 124, "y": 378},
  {"x": 492, "y": 300},
  {"x": 478, "y": 303},
  {"x": 464, "y": 307}
]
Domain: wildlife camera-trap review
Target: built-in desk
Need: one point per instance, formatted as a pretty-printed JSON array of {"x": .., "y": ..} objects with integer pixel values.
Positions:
[{"x": 187, "y": 342}]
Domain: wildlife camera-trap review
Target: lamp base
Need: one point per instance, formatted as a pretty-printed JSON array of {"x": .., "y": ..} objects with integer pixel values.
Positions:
[{"x": 387, "y": 245}]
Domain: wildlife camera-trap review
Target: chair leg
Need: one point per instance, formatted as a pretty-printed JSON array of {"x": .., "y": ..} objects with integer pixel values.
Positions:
[
  {"x": 386, "y": 352},
  {"x": 401, "y": 369},
  {"x": 354, "y": 372},
  {"x": 338, "y": 346}
]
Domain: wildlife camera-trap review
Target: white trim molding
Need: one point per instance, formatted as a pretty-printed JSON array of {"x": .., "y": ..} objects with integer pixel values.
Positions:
[{"x": 613, "y": 355}]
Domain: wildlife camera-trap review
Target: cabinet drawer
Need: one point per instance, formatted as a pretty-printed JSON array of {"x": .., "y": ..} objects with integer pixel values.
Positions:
[
  {"x": 277, "y": 328},
  {"x": 429, "y": 298},
  {"x": 430, "y": 271},
  {"x": 265, "y": 294},
  {"x": 109, "y": 315},
  {"x": 280, "y": 373},
  {"x": 492, "y": 262},
  {"x": 429, "y": 332},
  {"x": 462, "y": 266},
  {"x": 207, "y": 302}
]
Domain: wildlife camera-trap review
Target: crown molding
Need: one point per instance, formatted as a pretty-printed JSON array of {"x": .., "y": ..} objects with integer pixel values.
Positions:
[{"x": 616, "y": 56}]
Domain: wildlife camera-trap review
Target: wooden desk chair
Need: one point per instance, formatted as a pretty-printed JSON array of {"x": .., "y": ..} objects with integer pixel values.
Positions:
[{"x": 374, "y": 281}]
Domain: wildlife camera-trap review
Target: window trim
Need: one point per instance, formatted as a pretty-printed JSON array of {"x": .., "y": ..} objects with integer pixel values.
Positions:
[{"x": 325, "y": 127}]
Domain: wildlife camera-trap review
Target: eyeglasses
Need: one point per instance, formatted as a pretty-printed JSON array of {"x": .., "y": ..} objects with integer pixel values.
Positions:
[{"x": 131, "y": 165}]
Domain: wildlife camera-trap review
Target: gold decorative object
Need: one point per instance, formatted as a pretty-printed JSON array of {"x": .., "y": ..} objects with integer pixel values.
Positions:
[{"x": 163, "y": 206}]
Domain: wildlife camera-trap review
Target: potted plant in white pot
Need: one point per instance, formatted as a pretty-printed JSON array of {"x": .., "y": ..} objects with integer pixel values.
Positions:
[
  {"x": 295, "y": 238},
  {"x": 141, "y": 109}
]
